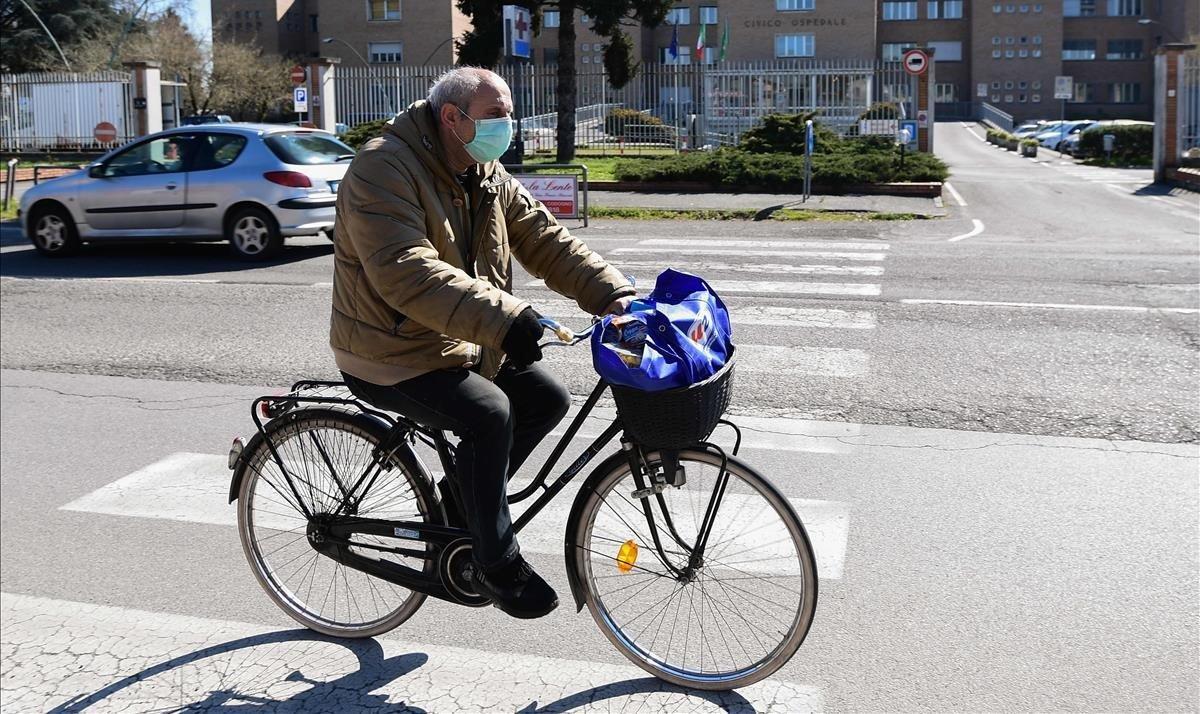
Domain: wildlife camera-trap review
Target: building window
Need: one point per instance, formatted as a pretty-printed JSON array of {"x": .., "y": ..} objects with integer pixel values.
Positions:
[
  {"x": 945, "y": 93},
  {"x": 708, "y": 15},
  {"x": 1037, "y": 8},
  {"x": 1079, "y": 8},
  {"x": 312, "y": 24},
  {"x": 1010, "y": 8},
  {"x": 1079, "y": 50},
  {"x": 1022, "y": 52},
  {"x": 795, "y": 45},
  {"x": 1036, "y": 53},
  {"x": 586, "y": 47},
  {"x": 1037, "y": 39},
  {"x": 383, "y": 9},
  {"x": 946, "y": 51},
  {"x": 385, "y": 52},
  {"x": 1124, "y": 50},
  {"x": 1008, "y": 98},
  {"x": 996, "y": 54},
  {"x": 995, "y": 99},
  {"x": 1010, "y": 40},
  {"x": 550, "y": 18},
  {"x": 1083, "y": 93},
  {"x": 679, "y": 16},
  {"x": 1009, "y": 54},
  {"x": 794, "y": 5},
  {"x": 1008, "y": 84},
  {"x": 685, "y": 55},
  {"x": 1125, "y": 8},
  {"x": 1024, "y": 8},
  {"x": 1126, "y": 92},
  {"x": 996, "y": 39},
  {"x": 894, "y": 51},
  {"x": 899, "y": 10}
]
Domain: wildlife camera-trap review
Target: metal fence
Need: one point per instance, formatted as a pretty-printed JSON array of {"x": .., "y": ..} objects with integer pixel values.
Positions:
[
  {"x": 1189, "y": 106},
  {"x": 61, "y": 110},
  {"x": 999, "y": 119},
  {"x": 684, "y": 106}
]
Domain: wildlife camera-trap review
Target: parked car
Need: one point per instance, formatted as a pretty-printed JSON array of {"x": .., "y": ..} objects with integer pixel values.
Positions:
[
  {"x": 198, "y": 119},
  {"x": 1070, "y": 145},
  {"x": 251, "y": 184},
  {"x": 1052, "y": 138},
  {"x": 1031, "y": 128}
]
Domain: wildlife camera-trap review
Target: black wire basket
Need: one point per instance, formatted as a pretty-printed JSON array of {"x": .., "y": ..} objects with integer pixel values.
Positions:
[{"x": 675, "y": 418}]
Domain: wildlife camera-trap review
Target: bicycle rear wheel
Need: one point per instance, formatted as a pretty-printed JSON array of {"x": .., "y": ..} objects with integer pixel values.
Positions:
[
  {"x": 732, "y": 621},
  {"x": 314, "y": 589}
]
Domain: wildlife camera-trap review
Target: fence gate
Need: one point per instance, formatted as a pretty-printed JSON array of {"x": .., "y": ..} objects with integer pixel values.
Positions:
[
  {"x": 48, "y": 111},
  {"x": 1189, "y": 108},
  {"x": 684, "y": 106}
]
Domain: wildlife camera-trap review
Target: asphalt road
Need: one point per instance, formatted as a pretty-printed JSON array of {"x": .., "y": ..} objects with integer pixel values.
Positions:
[{"x": 992, "y": 441}]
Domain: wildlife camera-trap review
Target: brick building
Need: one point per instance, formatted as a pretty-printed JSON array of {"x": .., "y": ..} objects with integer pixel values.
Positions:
[{"x": 1005, "y": 52}]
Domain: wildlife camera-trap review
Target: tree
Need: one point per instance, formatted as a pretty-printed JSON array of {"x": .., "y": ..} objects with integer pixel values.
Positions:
[
  {"x": 481, "y": 45},
  {"x": 26, "y": 48}
]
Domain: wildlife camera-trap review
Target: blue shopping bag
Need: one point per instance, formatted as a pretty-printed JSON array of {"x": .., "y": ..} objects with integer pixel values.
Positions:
[{"x": 688, "y": 336}]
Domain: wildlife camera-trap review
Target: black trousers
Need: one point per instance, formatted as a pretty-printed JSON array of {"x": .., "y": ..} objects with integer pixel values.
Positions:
[{"x": 498, "y": 423}]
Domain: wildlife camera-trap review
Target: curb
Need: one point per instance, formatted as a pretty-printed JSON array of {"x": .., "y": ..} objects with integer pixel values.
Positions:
[{"x": 916, "y": 189}]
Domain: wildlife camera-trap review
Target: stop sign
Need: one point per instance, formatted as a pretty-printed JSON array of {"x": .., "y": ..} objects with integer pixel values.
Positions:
[
  {"x": 105, "y": 132},
  {"x": 297, "y": 74}
]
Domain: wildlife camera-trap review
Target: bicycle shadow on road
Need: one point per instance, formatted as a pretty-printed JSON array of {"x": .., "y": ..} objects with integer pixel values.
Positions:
[
  {"x": 137, "y": 260},
  {"x": 248, "y": 683},
  {"x": 679, "y": 699}
]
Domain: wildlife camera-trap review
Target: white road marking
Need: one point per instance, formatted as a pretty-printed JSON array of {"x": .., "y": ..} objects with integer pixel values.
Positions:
[
  {"x": 789, "y": 288},
  {"x": 1052, "y": 306},
  {"x": 970, "y": 234},
  {"x": 954, "y": 192},
  {"x": 688, "y": 243},
  {"x": 730, "y": 287},
  {"x": 194, "y": 488},
  {"x": 742, "y": 253},
  {"x": 567, "y": 312},
  {"x": 773, "y": 268},
  {"x": 779, "y": 362},
  {"x": 76, "y": 655}
]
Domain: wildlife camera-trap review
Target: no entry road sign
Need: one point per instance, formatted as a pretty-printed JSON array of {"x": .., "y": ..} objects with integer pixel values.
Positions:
[{"x": 916, "y": 62}]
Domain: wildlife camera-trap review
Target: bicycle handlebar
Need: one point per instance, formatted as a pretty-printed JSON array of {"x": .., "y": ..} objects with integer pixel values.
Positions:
[{"x": 566, "y": 336}]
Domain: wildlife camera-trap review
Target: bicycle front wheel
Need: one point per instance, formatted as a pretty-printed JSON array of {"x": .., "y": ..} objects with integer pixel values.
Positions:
[
  {"x": 323, "y": 453},
  {"x": 733, "y": 620}
]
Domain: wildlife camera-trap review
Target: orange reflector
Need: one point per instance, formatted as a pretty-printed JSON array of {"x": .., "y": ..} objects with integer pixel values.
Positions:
[{"x": 627, "y": 556}]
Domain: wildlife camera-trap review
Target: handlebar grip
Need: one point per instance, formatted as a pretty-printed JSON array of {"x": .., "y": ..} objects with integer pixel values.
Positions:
[{"x": 563, "y": 334}]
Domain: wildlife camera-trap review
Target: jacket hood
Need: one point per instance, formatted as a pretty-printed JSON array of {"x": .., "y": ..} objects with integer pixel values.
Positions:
[{"x": 417, "y": 127}]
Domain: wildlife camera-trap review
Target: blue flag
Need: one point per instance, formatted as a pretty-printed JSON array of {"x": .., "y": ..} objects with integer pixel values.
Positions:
[{"x": 673, "y": 50}]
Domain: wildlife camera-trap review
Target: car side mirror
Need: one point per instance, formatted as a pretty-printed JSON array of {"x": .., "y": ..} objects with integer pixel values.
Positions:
[{"x": 96, "y": 171}]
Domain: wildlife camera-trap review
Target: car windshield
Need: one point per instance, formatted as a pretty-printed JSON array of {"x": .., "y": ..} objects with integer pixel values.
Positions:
[{"x": 308, "y": 148}]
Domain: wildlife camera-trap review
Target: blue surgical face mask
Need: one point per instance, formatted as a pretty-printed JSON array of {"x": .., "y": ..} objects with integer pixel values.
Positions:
[{"x": 492, "y": 137}]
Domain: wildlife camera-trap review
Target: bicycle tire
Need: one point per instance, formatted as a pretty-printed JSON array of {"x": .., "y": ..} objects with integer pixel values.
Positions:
[
  {"x": 349, "y": 440},
  {"x": 601, "y": 551}
]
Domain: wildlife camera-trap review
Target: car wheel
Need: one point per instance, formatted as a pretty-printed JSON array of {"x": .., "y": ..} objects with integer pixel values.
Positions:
[
  {"x": 253, "y": 234},
  {"x": 53, "y": 232}
]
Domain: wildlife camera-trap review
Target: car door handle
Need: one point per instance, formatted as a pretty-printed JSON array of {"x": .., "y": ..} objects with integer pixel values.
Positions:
[{"x": 171, "y": 186}]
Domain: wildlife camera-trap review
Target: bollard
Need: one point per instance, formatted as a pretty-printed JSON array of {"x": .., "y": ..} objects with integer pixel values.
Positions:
[{"x": 10, "y": 182}]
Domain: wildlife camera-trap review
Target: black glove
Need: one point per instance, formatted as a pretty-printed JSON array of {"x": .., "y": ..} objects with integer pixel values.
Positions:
[{"x": 521, "y": 342}]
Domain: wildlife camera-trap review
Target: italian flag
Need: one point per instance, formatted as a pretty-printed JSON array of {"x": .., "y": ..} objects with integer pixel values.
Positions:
[{"x": 700, "y": 43}]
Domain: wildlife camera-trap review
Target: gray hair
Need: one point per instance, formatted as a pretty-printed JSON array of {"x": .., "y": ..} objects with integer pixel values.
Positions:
[{"x": 459, "y": 85}]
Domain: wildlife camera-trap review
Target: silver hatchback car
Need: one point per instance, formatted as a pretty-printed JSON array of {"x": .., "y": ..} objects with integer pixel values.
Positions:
[{"x": 250, "y": 184}]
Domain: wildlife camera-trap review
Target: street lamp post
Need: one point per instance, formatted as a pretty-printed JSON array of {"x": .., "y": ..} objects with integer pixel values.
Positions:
[
  {"x": 374, "y": 81},
  {"x": 1146, "y": 22}
]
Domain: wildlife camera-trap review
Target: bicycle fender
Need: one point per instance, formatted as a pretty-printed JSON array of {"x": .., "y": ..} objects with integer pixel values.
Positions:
[
  {"x": 572, "y": 549},
  {"x": 405, "y": 454}
]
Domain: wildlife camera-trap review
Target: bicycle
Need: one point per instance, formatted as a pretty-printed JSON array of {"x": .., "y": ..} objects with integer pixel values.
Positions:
[{"x": 346, "y": 531}]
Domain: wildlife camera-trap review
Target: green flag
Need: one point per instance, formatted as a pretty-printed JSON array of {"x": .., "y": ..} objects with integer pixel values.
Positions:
[{"x": 724, "y": 42}]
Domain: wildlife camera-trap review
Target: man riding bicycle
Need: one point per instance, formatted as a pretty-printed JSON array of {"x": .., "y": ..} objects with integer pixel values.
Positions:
[{"x": 423, "y": 315}]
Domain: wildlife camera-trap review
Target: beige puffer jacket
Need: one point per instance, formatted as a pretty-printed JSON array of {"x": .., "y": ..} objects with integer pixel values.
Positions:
[{"x": 403, "y": 293}]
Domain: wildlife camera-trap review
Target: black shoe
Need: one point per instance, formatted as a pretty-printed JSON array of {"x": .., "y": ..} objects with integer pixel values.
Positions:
[{"x": 516, "y": 589}]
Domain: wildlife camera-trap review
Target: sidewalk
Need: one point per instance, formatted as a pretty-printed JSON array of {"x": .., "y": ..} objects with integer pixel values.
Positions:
[{"x": 923, "y": 207}]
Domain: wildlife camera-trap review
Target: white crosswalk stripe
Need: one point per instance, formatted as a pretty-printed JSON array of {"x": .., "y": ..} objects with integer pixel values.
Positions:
[
  {"x": 194, "y": 488},
  {"x": 743, "y": 312},
  {"x": 76, "y": 656}
]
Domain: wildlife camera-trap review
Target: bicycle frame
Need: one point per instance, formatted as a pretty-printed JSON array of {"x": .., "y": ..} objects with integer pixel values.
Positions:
[{"x": 331, "y": 533}]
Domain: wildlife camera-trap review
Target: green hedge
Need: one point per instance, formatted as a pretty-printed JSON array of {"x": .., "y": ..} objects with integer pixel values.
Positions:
[
  {"x": 360, "y": 134},
  {"x": 784, "y": 134},
  {"x": 733, "y": 167},
  {"x": 1132, "y": 145}
]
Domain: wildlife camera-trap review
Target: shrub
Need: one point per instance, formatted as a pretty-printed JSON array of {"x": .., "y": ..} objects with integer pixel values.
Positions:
[
  {"x": 784, "y": 134},
  {"x": 734, "y": 167},
  {"x": 1029, "y": 142},
  {"x": 881, "y": 110},
  {"x": 360, "y": 134},
  {"x": 1132, "y": 144},
  {"x": 635, "y": 126}
]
